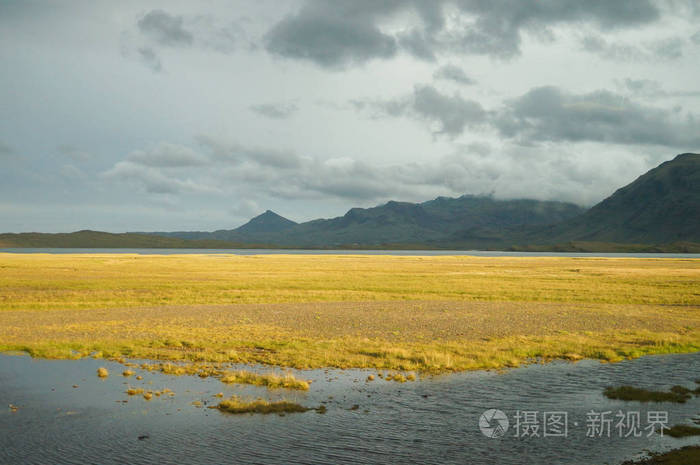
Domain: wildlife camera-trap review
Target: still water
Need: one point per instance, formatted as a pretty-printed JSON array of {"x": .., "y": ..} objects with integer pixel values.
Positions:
[
  {"x": 432, "y": 421},
  {"x": 473, "y": 253}
]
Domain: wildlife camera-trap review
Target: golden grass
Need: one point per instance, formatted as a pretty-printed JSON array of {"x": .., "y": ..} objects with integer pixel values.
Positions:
[
  {"x": 92, "y": 281},
  {"x": 102, "y": 372},
  {"x": 237, "y": 405},
  {"x": 428, "y": 314},
  {"x": 269, "y": 380}
]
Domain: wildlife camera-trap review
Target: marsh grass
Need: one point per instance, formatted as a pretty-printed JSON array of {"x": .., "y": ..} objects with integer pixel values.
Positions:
[
  {"x": 238, "y": 405},
  {"x": 269, "y": 380},
  {"x": 678, "y": 394},
  {"x": 102, "y": 372},
  {"x": 44, "y": 281},
  {"x": 423, "y": 314}
]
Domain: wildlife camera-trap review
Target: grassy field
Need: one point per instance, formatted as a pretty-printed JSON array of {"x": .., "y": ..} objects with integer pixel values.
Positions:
[{"x": 431, "y": 314}]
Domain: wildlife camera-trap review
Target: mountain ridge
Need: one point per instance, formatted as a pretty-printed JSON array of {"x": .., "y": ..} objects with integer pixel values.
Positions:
[{"x": 660, "y": 210}]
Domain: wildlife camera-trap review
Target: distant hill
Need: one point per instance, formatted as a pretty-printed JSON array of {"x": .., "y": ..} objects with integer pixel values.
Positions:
[
  {"x": 395, "y": 223},
  {"x": 661, "y": 206},
  {"x": 659, "y": 212},
  {"x": 268, "y": 222},
  {"x": 98, "y": 239}
]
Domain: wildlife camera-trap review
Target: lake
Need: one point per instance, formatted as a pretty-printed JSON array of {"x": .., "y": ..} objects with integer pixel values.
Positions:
[
  {"x": 433, "y": 420},
  {"x": 473, "y": 253}
]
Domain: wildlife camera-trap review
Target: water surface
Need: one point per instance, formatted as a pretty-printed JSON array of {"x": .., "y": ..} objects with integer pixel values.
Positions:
[
  {"x": 472, "y": 253},
  {"x": 432, "y": 421}
]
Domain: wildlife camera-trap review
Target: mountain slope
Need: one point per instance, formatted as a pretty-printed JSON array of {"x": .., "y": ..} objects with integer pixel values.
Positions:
[
  {"x": 396, "y": 222},
  {"x": 661, "y": 206}
]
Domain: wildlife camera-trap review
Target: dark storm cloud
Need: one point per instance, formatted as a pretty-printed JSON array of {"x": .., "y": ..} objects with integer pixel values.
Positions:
[
  {"x": 452, "y": 114},
  {"x": 275, "y": 110},
  {"x": 551, "y": 114},
  {"x": 325, "y": 34},
  {"x": 453, "y": 73},
  {"x": 417, "y": 44},
  {"x": 164, "y": 28},
  {"x": 336, "y": 34}
]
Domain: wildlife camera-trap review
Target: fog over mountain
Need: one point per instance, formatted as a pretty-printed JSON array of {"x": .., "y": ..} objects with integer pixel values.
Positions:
[{"x": 197, "y": 116}]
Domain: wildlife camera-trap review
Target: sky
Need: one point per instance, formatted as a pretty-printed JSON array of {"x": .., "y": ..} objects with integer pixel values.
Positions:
[{"x": 179, "y": 115}]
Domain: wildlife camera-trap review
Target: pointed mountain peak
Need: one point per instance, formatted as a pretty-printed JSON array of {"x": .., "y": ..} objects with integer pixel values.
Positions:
[{"x": 266, "y": 222}]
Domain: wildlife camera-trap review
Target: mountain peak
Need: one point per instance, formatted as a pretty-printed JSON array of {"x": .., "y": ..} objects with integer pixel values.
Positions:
[
  {"x": 268, "y": 221},
  {"x": 661, "y": 206}
]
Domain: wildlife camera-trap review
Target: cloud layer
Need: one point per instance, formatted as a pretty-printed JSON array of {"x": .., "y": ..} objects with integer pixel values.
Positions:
[
  {"x": 188, "y": 115},
  {"x": 548, "y": 114},
  {"x": 338, "y": 34}
]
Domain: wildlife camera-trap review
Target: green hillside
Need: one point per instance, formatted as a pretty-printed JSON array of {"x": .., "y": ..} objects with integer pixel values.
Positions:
[{"x": 661, "y": 206}]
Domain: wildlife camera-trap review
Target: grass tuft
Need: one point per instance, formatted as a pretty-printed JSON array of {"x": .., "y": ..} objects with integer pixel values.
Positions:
[
  {"x": 237, "y": 405},
  {"x": 677, "y": 394},
  {"x": 682, "y": 431},
  {"x": 102, "y": 372},
  {"x": 269, "y": 380}
]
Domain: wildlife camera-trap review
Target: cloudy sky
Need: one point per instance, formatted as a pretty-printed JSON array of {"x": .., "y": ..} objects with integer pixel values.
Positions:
[{"x": 168, "y": 115}]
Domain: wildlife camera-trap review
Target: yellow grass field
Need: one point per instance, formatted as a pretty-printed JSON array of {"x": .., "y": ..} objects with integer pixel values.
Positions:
[{"x": 431, "y": 314}]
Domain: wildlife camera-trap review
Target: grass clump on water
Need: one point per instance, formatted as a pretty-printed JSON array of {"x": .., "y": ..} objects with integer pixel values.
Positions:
[
  {"x": 102, "y": 372},
  {"x": 682, "y": 456},
  {"x": 677, "y": 394},
  {"x": 237, "y": 405},
  {"x": 269, "y": 380},
  {"x": 682, "y": 431}
]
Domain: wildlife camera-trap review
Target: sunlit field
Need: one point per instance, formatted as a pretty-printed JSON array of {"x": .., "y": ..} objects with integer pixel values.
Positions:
[{"x": 429, "y": 314}]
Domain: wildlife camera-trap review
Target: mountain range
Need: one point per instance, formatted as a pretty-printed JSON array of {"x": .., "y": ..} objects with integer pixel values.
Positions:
[{"x": 660, "y": 210}]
